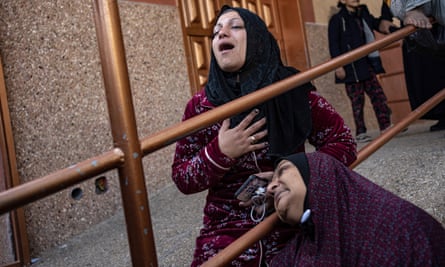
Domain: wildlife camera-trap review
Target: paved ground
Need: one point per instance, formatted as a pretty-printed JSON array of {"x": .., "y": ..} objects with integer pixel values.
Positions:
[{"x": 412, "y": 165}]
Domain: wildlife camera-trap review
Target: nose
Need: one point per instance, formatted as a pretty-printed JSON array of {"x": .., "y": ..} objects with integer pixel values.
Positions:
[
  {"x": 223, "y": 31},
  {"x": 271, "y": 187}
]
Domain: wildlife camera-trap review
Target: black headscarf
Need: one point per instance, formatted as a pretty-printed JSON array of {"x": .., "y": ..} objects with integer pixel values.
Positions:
[
  {"x": 301, "y": 162},
  {"x": 288, "y": 115},
  {"x": 359, "y": 223}
]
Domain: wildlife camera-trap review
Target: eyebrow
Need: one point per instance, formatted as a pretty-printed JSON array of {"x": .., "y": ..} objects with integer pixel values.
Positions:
[
  {"x": 230, "y": 21},
  {"x": 282, "y": 168}
]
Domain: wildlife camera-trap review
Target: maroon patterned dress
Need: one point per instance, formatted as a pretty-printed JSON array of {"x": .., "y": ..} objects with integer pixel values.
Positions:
[
  {"x": 200, "y": 165},
  {"x": 355, "y": 222}
]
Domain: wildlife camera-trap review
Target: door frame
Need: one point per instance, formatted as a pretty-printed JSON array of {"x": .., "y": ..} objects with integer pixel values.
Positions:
[{"x": 9, "y": 176}]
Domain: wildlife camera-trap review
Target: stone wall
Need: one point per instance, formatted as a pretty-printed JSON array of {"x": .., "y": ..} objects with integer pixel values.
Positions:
[
  {"x": 57, "y": 100},
  {"x": 58, "y": 107}
]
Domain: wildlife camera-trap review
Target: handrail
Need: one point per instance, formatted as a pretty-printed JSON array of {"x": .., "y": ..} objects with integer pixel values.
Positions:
[
  {"x": 108, "y": 28},
  {"x": 132, "y": 183},
  {"x": 45, "y": 186},
  {"x": 421, "y": 110},
  {"x": 177, "y": 131},
  {"x": 248, "y": 239},
  {"x": 171, "y": 134}
]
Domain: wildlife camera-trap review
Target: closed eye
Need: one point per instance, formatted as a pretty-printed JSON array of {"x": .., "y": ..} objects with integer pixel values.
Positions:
[
  {"x": 214, "y": 34},
  {"x": 218, "y": 28}
]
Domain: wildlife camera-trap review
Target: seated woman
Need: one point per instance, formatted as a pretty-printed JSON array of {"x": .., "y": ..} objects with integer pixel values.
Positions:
[
  {"x": 346, "y": 220},
  {"x": 245, "y": 57}
]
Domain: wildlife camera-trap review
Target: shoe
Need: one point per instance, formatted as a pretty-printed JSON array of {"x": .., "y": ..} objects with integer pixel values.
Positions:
[
  {"x": 390, "y": 126},
  {"x": 438, "y": 126},
  {"x": 363, "y": 138},
  {"x": 386, "y": 129}
]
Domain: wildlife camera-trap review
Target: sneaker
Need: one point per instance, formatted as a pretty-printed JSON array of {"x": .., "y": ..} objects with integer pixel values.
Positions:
[
  {"x": 386, "y": 129},
  {"x": 439, "y": 126},
  {"x": 363, "y": 138},
  {"x": 389, "y": 127}
]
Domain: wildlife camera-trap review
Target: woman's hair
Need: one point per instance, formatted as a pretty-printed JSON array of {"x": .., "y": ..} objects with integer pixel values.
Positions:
[{"x": 340, "y": 4}]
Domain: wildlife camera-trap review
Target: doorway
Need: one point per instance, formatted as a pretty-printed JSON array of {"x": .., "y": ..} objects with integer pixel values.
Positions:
[{"x": 13, "y": 238}]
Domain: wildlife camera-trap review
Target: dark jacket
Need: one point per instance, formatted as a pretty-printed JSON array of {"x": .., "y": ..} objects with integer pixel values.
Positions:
[{"x": 346, "y": 33}]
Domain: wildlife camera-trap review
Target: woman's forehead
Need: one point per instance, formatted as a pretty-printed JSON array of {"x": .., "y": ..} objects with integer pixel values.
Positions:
[
  {"x": 229, "y": 15},
  {"x": 283, "y": 166}
]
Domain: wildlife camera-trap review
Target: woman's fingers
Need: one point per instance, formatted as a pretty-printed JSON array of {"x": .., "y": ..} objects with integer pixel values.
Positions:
[
  {"x": 265, "y": 175},
  {"x": 244, "y": 124},
  {"x": 255, "y": 127},
  {"x": 246, "y": 203},
  {"x": 244, "y": 137},
  {"x": 225, "y": 125},
  {"x": 254, "y": 138}
]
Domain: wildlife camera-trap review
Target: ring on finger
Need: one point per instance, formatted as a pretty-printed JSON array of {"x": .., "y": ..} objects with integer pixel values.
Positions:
[{"x": 252, "y": 139}]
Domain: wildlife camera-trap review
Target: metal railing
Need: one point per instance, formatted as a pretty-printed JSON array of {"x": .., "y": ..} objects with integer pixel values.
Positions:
[
  {"x": 128, "y": 152},
  {"x": 241, "y": 244}
]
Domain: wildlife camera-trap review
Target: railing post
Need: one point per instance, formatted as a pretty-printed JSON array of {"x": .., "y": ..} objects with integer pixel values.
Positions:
[
  {"x": 235, "y": 249},
  {"x": 124, "y": 130}
]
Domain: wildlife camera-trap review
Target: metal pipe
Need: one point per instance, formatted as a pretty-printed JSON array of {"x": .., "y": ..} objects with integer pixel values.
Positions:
[
  {"x": 235, "y": 249},
  {"x": 370, "y": 148},
  {"x": 232, "y": 251},
  {"x": 172, "y": 134},
  {"x": 125, "y": 133},
  {"x": 23, "y": 193},
  {"x": 124, "y": 130},
  {"x": 225, "y": 256},
  {"x": 36, "y": 189}
]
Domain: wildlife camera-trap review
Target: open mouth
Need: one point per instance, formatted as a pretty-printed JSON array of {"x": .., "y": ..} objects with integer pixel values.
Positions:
[{"x": 225, "y": 46}]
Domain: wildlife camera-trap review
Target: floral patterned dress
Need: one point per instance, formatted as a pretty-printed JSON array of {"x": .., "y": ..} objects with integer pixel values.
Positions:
[{"x": 200, "y": 165}]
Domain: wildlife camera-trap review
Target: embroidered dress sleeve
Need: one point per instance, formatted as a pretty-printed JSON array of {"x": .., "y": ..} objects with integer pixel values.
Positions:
[
  {"x": 198, "y": 163},
  {"x": 330, "y": 134}
]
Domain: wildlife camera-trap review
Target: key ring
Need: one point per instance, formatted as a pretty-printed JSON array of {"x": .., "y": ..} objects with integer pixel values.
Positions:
[{"x": 259, "y": 200}]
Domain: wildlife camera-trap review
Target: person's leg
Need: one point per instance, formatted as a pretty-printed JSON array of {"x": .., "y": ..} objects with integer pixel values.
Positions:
[
  {"x": 379, "y": 102},
  {"x": 356, "y": 94},
  {"x": 424, "y": 78}
]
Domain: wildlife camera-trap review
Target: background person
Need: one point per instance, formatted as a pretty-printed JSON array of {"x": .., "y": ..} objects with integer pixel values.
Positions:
[
  {"x": 349, "y": 29},
  {"x": 419, "y": 12},
  {"x": 344, "y": 219},
  {"x": 424, "y": 53},
  {"x": 245, "y": 57}
]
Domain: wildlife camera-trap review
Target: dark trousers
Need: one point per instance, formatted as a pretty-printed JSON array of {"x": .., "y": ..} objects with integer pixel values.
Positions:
[
  {"x": 424, "y": 75},
  {"x": 356, "y": 93}
]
